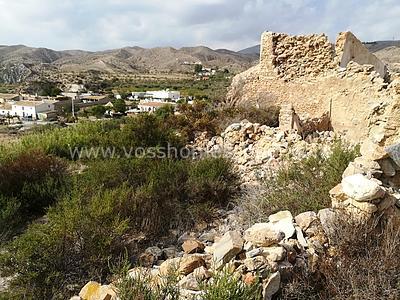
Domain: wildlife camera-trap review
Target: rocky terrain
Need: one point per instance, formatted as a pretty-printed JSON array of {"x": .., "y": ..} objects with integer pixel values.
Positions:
[
  {"x": 272, "y": 251},
  {"x": 18, "y": 63}
]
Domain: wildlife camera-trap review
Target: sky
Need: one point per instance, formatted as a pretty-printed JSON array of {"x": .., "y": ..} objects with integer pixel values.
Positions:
[{"x": 230, "y": 24}]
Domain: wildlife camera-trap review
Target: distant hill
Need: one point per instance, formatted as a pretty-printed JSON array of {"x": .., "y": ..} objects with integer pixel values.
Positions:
[
  {"x": 255, "y": 50},
  {"x": 18, "y": 63},
  {"x": 387, "y": 51}
]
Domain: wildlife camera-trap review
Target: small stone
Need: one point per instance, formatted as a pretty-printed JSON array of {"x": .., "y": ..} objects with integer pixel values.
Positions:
[
  {"x": 360, "y": 188},
  {"x": 170, "y": 266},
  {"x": 170, "y": 252},
  {"x": 263, "y": 235},
  {"x": 189, "y": 282},
  {"x": 304, "y": 220},
  {"x": 283, "y": 221},
  {"x": 189, "y": 263},
  {"x": 91, "y": 291},
  {"x": 254, "y": 252},
  {"x": 193, "y": 246},
  {"x": 300, "y": 237},
  {"x": 373, "y": 151},
  {"x": 255, "y": 263},
  {"x": 271, "y": 286},
  {"x": 107, "y": 293},
  {"x": 387, "y": 167},
  {"x": 274, "y": 254},
  {"x": 338, "y": 194},
  {"x": 249, "y": 279},
  {"x": 227, "y": 248},
  {"x": 147, "y": 260}
]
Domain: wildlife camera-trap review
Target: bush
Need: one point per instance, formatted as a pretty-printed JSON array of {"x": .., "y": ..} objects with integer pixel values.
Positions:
[
  {"x": 29, "y": 183},
  {"x": 226, "y": 286},
  {"x": 303, "y": 185},
  {"x": 76, "y": 244},
  {"x": 212, "y": 177},
  {"x": 363, "y": 264},
  {"x": 108, "y": 200}
]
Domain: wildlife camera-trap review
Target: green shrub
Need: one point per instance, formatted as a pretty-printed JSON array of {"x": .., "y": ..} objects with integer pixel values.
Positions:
[
  {"x": 29, "y": 183},
  {"x": 303, "y": 185},
  {"x": 226, "y": 286},
  {"x": 212, "y": 177},
  {"x": 76, "y": 244},
  {"x": 113, "y": 197}
]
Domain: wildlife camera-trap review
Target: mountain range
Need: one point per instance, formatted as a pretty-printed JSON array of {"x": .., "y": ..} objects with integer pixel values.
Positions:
[{"x": 18, "y": 63}]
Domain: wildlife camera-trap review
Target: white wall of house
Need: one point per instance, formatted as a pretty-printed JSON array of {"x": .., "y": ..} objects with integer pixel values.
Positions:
[
  {"x": 31, "y": 110},
  {"x": 163, "y": 95}
]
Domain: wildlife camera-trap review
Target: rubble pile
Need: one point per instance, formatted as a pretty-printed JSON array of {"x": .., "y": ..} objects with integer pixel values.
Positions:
[{"x": 257, "y": 150}]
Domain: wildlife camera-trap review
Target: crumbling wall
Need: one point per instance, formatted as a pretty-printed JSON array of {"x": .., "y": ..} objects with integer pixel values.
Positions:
[
  {"x": 349, "y": 48},
  {"x": 296, "y": 56},
  {"x": 358, "y": 100}
]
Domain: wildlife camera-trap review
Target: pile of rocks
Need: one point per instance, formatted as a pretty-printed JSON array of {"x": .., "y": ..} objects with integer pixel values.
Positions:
[
  {"x": 258, "y": 150},
  {"x": 266, "y": 252},
  {"x": 371, "y": 184}
]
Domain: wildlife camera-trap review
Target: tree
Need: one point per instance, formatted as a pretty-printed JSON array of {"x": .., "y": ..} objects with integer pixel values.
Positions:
[
  {"x": 198, "y": 68},
  {"x": 119, "y": 106}
]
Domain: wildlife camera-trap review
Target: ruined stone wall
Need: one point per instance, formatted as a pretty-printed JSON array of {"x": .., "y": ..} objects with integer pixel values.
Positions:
[
  {"x": 359, "y": 101},
  {"x": 296, "y": 56},
  {"x": 349, "y": 48}
]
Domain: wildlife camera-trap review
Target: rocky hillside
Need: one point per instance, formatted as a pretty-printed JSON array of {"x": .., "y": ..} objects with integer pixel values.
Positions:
[{"x": 18, "y": 63}]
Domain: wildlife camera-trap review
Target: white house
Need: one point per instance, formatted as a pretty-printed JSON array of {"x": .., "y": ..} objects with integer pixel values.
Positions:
[
  {"x": 164, "y": 95},
  {"x": 31, "y": 109}
]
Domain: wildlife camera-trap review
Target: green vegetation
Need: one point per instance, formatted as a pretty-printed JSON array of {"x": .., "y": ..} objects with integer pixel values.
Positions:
[
  {"x": 44, "y": 88},
  {"x": 93, "y": 206},
  {"x": 227, "y": 286},
  {"x": 303, "y": 185},
  {"x": 119, "y": 106}
]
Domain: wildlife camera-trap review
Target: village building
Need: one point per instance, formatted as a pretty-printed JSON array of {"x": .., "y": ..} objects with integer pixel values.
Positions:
[
  {"x": 151, "y": 107},
  {"x": 31, "y": 109}
]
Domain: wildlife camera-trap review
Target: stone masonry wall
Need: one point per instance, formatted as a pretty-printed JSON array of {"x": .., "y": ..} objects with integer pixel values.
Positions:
[
  {"x": 293, "y": 70},
  {"x": 349, "y": 48},
  {"x": 296, "y": 56}
]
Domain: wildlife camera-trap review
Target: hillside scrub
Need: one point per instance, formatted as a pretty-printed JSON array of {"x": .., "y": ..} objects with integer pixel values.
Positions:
[
  {"x": 28, "y": 186},
  {"x": 300, "y": 186},
  {"x": 111, "y": 200},
  {"x": 364, "y": 264}
]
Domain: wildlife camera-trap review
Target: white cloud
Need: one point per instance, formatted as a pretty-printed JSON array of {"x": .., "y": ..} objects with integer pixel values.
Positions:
[{"x": 235, "y": 24}]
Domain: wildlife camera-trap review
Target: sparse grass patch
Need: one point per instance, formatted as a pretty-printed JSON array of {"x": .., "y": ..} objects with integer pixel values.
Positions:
[{"x": 300, "y": 186}]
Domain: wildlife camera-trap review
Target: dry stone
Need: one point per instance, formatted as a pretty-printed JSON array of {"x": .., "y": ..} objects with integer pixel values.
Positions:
[
  {"x": 283, "y": 222},
  {"x": 227, "y": 248},
  {"x": 193, "y": 246},
  {"x": 271, "y": 286},
  {"x": 263, "y": 235},
  {"x": 361, "y": 189}
]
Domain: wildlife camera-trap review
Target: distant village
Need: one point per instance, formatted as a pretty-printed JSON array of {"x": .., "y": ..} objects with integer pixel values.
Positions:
[{"x": 16, "y": 108}]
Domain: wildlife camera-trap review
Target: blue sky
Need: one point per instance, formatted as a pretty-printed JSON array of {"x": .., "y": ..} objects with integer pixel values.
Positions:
[{"x": 231, "y": 24}]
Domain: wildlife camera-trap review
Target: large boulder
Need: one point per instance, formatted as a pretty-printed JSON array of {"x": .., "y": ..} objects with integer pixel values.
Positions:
[
  {"x": 227, "y": 248},
  {"x": 263, "y": 235},
  {"x": 362, "y": 189}
]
